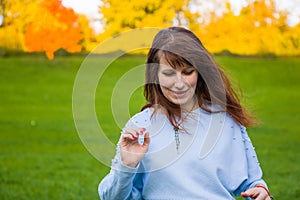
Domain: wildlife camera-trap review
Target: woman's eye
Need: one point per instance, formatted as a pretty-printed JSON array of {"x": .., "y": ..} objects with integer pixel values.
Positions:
[
  {"x": 188, "y": 72},
  {"x": 168, "y": 73}
]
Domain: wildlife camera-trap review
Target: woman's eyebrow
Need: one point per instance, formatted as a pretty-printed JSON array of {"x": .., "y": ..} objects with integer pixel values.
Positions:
[{"x": 188, "y": 67}]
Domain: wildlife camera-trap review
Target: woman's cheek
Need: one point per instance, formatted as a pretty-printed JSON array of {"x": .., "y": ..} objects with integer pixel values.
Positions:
[
  {"x": 192, "y": 80},
  {"x": 165, "y": 81}
]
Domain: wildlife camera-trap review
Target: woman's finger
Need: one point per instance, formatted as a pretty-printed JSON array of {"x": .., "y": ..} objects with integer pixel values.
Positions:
[
  {"x": 255, "y": 193},
  {"x": 135, "y": 131},
  {"x": 250, "y": 193},
  {"x": 146, "y": 139},
  {"x": 131, "y": 132},
  {"x": 128, "y": 136}
]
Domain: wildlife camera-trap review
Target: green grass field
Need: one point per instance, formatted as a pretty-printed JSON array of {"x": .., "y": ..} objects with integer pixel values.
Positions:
[{"x": 42, "y": 157}]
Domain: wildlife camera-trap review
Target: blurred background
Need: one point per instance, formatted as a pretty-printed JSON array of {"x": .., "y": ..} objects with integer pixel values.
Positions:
[
  {"x": 43, "y": 43},
  {"x": 244, "y": 27}
]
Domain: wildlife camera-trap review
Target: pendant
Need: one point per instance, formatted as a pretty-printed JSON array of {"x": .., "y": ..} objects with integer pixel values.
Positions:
[{"x": 177, "y": 141}]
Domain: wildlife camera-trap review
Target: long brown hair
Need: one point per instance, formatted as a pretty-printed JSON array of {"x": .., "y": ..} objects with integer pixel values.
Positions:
[{"x": 179, "y": 45}]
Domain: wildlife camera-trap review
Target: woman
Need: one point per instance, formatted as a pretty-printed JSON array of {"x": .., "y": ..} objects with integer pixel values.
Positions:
[{"x": 189, "y": 141}]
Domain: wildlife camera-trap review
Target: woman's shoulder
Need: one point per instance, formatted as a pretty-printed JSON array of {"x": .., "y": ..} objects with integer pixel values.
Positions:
[
  {"x": 232, "y": 123},
  {"x": 142, "y": 118},
  {"x": 145, "y": 117},
  {"x": 238, "y": 130}
]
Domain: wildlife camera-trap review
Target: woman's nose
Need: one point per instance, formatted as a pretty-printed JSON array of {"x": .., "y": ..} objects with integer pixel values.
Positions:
[{"x": 179, "y": 82}]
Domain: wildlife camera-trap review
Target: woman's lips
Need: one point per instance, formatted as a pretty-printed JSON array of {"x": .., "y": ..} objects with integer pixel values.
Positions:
[{"x": 179, "y": 94}]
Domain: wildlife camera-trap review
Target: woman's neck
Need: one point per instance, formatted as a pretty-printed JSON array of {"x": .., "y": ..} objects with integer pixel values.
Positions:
[{"x": 189, "y": 107}]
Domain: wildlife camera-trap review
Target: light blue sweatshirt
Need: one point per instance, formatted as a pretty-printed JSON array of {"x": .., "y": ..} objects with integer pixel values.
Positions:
[{"x": 215, "y": 161}]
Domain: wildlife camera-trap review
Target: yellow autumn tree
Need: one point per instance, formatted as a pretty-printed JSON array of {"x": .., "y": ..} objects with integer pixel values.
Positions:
[
  {"x": 258, "y": 29},
  {"x": 266, "y": 25},
  {"x": 16, "y": 14},
  {"x": 292, "y": 38},
  {"x": 123, "y": 15},
  {"x": 89, "y": 41}
]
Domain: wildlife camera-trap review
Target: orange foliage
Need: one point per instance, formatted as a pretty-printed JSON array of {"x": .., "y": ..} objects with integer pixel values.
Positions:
[{"x": 55, "y": 27}]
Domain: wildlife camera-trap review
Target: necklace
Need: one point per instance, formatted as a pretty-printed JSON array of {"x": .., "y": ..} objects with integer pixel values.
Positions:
[
  {"x": 176, "y": 130},
  {"x": 176, "y": 134}
]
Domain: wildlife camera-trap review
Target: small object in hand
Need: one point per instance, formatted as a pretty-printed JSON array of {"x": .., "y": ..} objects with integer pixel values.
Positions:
[{"x": 141, "y": 138}]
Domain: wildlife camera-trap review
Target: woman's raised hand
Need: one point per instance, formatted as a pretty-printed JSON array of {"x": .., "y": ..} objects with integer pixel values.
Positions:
[
  {"x": 256, "y": 193},
  {"x": 131, "y": 150}
]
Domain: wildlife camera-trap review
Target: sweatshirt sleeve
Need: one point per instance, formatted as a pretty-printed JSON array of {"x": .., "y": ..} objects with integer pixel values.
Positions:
[
  {"x": 121, "y": 183},
  {"x": 124, "y": 182},
  {"x": 253, "y": 166}
]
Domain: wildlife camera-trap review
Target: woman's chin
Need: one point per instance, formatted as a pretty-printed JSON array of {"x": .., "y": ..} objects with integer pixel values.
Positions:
[{"x": 183, "y": 103}]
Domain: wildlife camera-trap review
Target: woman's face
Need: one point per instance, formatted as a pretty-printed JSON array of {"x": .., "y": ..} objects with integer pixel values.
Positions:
[{"x": 178, "y": 85}]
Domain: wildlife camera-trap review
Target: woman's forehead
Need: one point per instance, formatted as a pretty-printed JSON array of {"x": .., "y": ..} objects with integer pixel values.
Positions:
[
  {"x": 173, "y": 60},
  {"x": 173, "y": 64},
  {"x": 163, "y": 62}
]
